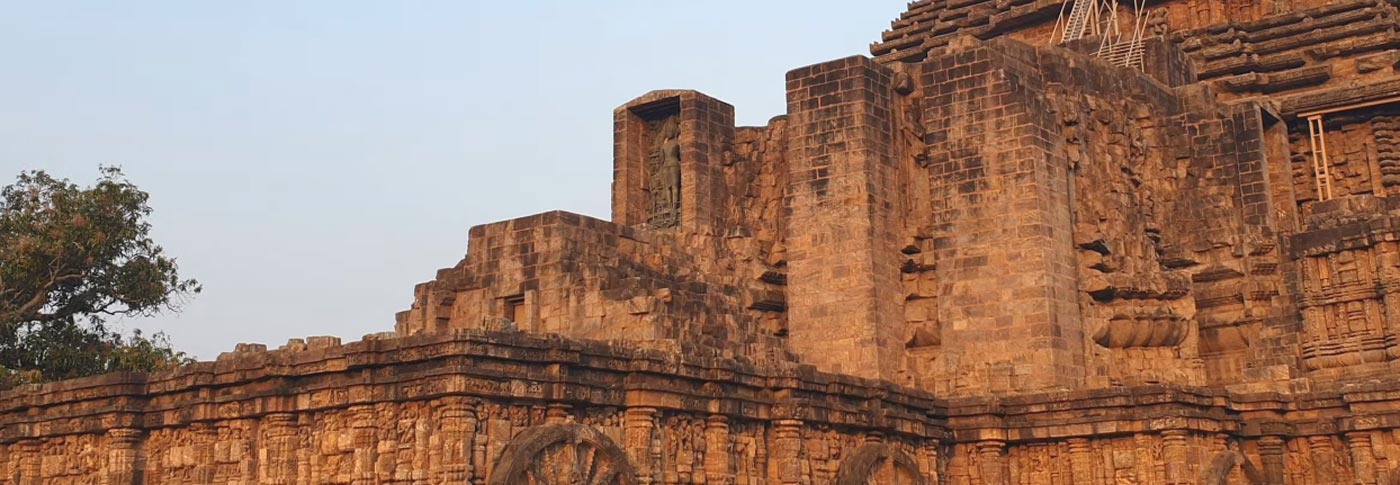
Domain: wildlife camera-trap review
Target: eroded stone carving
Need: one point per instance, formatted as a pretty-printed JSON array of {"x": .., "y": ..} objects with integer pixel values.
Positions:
[
  {"x": 563, "y": 454},
  {"x": 665, "y": 183},
  {"x": 879, "y": 463}
]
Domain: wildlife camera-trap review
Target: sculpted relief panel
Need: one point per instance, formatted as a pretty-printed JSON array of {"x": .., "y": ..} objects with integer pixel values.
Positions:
[
  {"x": 876, "y": 463},
  {"x": 664, "y": 167},
  {"x": 563, "y": 454},
  {"x": 1138, "y": 307}
]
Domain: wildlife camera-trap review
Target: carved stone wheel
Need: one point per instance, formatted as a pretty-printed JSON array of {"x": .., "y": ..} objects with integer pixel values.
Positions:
[
  {"x": 1218, "y": 473},
  {"x": 563, "y": 454},
  {"x": 877, "y": 463}
]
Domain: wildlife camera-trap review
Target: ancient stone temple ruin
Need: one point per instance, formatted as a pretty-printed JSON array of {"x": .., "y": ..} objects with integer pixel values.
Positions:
[{"x": 1024, "y": 242}]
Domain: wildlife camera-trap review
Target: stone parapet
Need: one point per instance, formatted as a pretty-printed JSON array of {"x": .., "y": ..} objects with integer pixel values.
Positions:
[{"x": 473, "y": 405}]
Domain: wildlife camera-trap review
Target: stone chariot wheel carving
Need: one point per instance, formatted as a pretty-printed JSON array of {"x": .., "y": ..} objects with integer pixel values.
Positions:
[
  {"x": 878, "y": 463},
  {"x": 1218, "y": 473},
  {"x": 563, "y": 454}
]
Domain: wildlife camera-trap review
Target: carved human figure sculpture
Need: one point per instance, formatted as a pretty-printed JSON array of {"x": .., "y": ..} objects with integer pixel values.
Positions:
[{"x": 666, "y": 175}]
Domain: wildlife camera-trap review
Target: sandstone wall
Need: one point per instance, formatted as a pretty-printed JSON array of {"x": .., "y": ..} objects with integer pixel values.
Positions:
[
  {"x": 995, "y": 218},
  {"x": 844, "y": 203},
  {"x": 566, "y": 274},
  {"x": 464, "y": 407},
  {"x": 1092, "y": 227},
  {"x": 497, "y": 408},
  {"x": 1050, "y": 269},
  {"x": 1326, "y": 51}
]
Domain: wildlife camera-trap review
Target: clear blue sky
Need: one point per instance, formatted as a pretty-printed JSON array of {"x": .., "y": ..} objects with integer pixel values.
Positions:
[{"x": 309, "y": 162}]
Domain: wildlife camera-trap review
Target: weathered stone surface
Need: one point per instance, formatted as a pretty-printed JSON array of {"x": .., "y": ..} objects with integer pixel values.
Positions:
[{"x": 974, "y": 258}]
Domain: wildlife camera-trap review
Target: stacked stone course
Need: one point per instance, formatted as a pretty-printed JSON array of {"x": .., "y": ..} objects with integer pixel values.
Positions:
[{"x": 973, "y": 258}]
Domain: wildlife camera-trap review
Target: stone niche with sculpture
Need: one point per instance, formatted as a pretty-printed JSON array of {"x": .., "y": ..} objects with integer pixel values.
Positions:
[
  {"x": 668, "y": 156},
  {"x": 663, "y": 162}
]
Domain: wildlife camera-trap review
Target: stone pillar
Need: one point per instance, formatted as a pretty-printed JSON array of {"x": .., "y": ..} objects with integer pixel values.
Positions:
[
  {"x": 1174, "y": 454},
  {"x": 1388, "y": 254},
  {"x": 123, "y": 456},
  {"x": 234, "y": 458},
  {"x": 637, "y": 427},
  {"x": 277, "y": 449},
  {"x": 930, "y": 471},
  {"x": 206, "y": 436},
  {"x": 760, "y": 456},
  {"x": 456, "y": 420},
  {"x": 28, "y": 460},
  {"x": 845, "y": 294},
  {"x": 1081, "y": 460},
  {"x": 991, "y": 462},
  {"x": 363, "y": 436},
  {"x": 1363, "y": 457},
  {"x": 306, "y": 456},
  {"x": 1271, "y": 458},
  {"x": 1321, "y": 449},
  {"x": 787, "y": 451},
  {"x": 556, "y": 414},
  {"x": 479, "y": 456},
  {"x": 717, "y": 450}
]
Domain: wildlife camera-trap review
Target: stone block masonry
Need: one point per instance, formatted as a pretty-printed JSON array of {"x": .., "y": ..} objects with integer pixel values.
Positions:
[
  {"x": 844, "y": 288},
  {"x": 704, "y": 141},
  {"x": 506, "y": 408},
  {"x": 977, "y": 258},
  {"x": 1001, "y": 236}
]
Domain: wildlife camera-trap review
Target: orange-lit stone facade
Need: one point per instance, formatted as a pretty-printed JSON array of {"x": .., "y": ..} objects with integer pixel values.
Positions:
[{"x": 972, "y": 258}]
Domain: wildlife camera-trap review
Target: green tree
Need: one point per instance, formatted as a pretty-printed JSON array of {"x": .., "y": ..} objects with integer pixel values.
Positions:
[{"x": 71, "y": 258}]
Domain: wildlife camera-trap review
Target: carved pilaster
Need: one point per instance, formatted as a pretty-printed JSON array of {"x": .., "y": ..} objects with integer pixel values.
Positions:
[
  {"x": 930, "y": 462},
  {"x": 991, "y": 462},
  {"x": 1081, "y": 460},
  {"x": 1363, "y": 457},
  {"x": 1174, "y": 454},
  {"x": 27, "y": 457},
  {"x": 638, "y": 424},
  {"x": 235, "y": 456},
  {"x": 717, "y": 450},
  {"x": 277, "y": 449},
  {"x": 557, "y": 414},
  {"x": 1389, "y": 275},
  {"x": 1271, "y": 457},
  {"x": 787, "y": 449},
  {"x": 479, "y": 464},
  {"x": 366, "y": 444},
  {"x": 308, "y": 452},
  {"x": 1321, "y": 449},
  {"x": 1386, "y": 130},
  {"x": 206, "y": 436},
  {"x": 122, "y": 456},
  {"x": 457, "y": 432},
  {"x": 760, "y": 455}
]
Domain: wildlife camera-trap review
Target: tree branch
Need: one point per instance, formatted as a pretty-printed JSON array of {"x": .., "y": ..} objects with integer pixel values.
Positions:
[{"x": 30, "y": 309}]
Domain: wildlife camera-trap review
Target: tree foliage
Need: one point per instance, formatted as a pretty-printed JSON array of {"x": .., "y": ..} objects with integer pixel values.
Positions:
[{"x": 71, "y": 258}]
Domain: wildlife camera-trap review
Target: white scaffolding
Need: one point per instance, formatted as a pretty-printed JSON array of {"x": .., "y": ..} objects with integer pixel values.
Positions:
[
  {"x": 1317, "y": 137},
  {"x": 1317, "y": 141},
  {"x": 1120, "y": 28}
]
